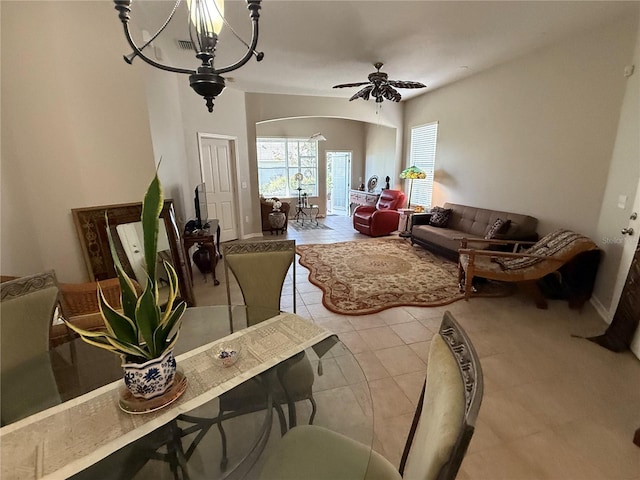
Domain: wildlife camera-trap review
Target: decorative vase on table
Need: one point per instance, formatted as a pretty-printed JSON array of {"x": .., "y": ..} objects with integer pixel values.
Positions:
[
  {"x": 277, "y": 220},
  {"x": 143, "y": 333},
  {"x": 202, "y": 259},
  {"x": 150, "y": 379}
]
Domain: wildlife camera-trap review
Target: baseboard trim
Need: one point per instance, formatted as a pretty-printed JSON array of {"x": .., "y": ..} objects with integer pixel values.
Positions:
[{"x": 603, "y": 312}]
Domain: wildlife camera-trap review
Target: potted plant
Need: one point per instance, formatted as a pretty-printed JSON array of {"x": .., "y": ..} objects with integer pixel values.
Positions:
[{"x": 144, "y": 333}]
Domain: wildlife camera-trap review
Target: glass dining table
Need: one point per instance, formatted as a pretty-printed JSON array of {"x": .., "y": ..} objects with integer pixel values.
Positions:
[{"x": 223, "y": 426}]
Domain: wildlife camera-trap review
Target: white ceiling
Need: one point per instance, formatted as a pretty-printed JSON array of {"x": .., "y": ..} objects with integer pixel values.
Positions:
[{"x": 310, "y": 46}]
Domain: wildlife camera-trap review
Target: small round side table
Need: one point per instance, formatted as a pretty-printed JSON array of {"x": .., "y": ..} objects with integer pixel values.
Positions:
[{"x": 407, "y": 212}]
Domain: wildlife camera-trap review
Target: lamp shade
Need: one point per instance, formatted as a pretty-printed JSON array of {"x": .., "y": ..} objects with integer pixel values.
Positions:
[
  {"x": 319, "y": 137},
  {"x": 413, "y": 173}
]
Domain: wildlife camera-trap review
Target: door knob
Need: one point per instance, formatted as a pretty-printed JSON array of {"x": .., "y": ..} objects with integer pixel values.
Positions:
[
  {"x": 627, "y": 231},
  {"x": 633, "y": 216}
]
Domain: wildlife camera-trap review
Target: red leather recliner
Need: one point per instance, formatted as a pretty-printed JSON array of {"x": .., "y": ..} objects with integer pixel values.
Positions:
[{"x": 381, "y": 219}]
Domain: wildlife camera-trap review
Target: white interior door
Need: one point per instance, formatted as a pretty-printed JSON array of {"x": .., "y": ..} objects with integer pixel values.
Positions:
[
  {"x": 338, "y": 179},
  {"x": 628, "y": 252},
  {"x": 218, "y": 174}
]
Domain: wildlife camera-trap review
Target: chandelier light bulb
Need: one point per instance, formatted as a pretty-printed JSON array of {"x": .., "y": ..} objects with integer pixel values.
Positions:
[{"x": 207, "y": 16}]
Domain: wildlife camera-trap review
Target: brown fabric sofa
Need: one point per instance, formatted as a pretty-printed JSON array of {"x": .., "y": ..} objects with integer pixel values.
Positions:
[{"x": 470, "y": 222}]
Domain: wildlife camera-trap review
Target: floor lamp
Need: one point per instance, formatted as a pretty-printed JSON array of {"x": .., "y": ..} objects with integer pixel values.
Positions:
[{"x": 411, "y": 173}]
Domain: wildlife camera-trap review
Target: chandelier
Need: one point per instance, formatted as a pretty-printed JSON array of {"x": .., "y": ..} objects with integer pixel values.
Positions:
[{"x": 206, "y": 18}]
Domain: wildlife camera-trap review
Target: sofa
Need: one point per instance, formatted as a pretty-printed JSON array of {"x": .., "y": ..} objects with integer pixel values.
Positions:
[
  {"x": 470, "y": 222},
  {"x": 381, "y": 219}
]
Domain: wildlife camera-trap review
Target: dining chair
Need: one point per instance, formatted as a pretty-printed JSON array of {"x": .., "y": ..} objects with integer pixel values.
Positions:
[
  {"x": 27, "y": 306},
  {"x": 79, "y": 305},
  {"x": 260, "y": 269},
  {"x": 442, "y": 427}
]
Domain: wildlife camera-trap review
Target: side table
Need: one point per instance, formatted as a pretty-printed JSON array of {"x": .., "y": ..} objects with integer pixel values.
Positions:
[
  {"x": 310, "y": 211},
  {"x": 407, "y": 213}
]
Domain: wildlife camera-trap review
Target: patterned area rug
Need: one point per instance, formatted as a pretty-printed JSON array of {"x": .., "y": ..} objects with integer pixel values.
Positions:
[
  {"x": 308, "y": 225},
  {"x": 359, "y": 278}
]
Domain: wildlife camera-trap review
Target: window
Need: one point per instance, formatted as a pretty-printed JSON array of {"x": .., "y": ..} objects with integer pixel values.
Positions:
[
  {"x": 280, "y": 159},
  {"x": 423, "y": 156}
]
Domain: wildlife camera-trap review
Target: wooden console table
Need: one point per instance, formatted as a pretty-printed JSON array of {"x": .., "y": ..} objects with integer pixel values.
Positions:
[{"x": 359, "y": 197}]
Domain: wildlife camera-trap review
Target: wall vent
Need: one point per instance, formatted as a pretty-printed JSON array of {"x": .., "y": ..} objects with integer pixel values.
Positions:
[{"x": 185, "y": 44}]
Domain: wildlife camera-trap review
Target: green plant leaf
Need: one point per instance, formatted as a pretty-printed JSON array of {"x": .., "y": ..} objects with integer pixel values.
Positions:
[
  {"x": 105, "y": 346},
  {"x": 148, "y": 318},
  {"x": 129, "y": 293},
  {"x": 82, "y": 332},
  {"x": 127, "y": 288},
  {"x": 129, "y": 349},
  {"x": 97, "y": 338},
  {"x": 173, "y": 282},
  {"x": 171, "y": 326},
  {"x": 151, "y": 208},
  {"x": 118, "y": 325}
]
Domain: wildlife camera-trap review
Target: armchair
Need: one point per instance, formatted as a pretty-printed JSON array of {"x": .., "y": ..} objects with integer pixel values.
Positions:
[
  {"x": 267, "y": 208},
  {"x": 381, "y": 219}
]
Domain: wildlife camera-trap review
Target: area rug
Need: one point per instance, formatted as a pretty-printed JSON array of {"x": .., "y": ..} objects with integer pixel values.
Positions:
[
  {"x": 360, "y": 278},
  {"x": 308, "y": 225}
]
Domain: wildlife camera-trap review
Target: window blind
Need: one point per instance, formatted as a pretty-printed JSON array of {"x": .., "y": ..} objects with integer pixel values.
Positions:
[{"x": 423, "y": 156}]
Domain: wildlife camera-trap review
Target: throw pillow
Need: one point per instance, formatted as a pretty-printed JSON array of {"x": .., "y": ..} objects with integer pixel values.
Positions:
[
  {"x": 440, "y": 216},
  {"x": 498, "y": 227}
]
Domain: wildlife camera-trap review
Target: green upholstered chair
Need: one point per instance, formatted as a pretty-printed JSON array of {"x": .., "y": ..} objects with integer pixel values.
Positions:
[
  {"x": 438, "y": 439},
  {"x": 27, "y": 306},
  {"x": 260, "y": 269}
]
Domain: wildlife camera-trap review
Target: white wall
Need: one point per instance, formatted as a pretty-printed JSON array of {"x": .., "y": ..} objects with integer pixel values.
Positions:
[
  {"x": 624, "y": 175},
  {"x": 227, "y": 119},
  {"x": 75, "y": 129},
  {"x": 534, "y": 135},
  {"x": 381, "y": 156},
  {"x": 169, "y": 150}
]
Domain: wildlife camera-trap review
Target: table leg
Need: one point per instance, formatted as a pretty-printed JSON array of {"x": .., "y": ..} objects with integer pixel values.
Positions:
[
  {"x": 218, "y": 241},
  {"x": 214, "y": 262}
]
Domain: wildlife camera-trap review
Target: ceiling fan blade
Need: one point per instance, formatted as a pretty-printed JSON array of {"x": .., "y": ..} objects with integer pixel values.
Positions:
[
  {"x": 391, "y": 94},
  {"x": 403, "y": 84},
  {"x": 364, "y": 93},
  {"x": 351, "y": 85}
]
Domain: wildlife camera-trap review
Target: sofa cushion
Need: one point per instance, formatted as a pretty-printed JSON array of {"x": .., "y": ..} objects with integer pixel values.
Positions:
[
  {"x": 440, "y": 216},
  {"x": 474, "y": 222},
  {"x": 558, "y": 243},
  {"x": 442, "y": 237},
  {"x": 499, "y": 226}
]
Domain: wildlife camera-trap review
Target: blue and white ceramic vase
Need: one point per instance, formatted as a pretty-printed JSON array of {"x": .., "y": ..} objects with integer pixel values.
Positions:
[{"x": 150, "y": 379}]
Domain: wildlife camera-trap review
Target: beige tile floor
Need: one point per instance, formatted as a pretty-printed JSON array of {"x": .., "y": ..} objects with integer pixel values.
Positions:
[{"x": 555, "y": 406}]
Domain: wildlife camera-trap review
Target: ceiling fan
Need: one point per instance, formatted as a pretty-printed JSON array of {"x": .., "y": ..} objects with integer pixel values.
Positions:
[{"x": 379, "y": 87}]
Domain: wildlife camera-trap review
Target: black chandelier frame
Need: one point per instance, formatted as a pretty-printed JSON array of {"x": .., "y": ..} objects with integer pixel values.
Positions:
[{"x": 206, "y": 80}]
